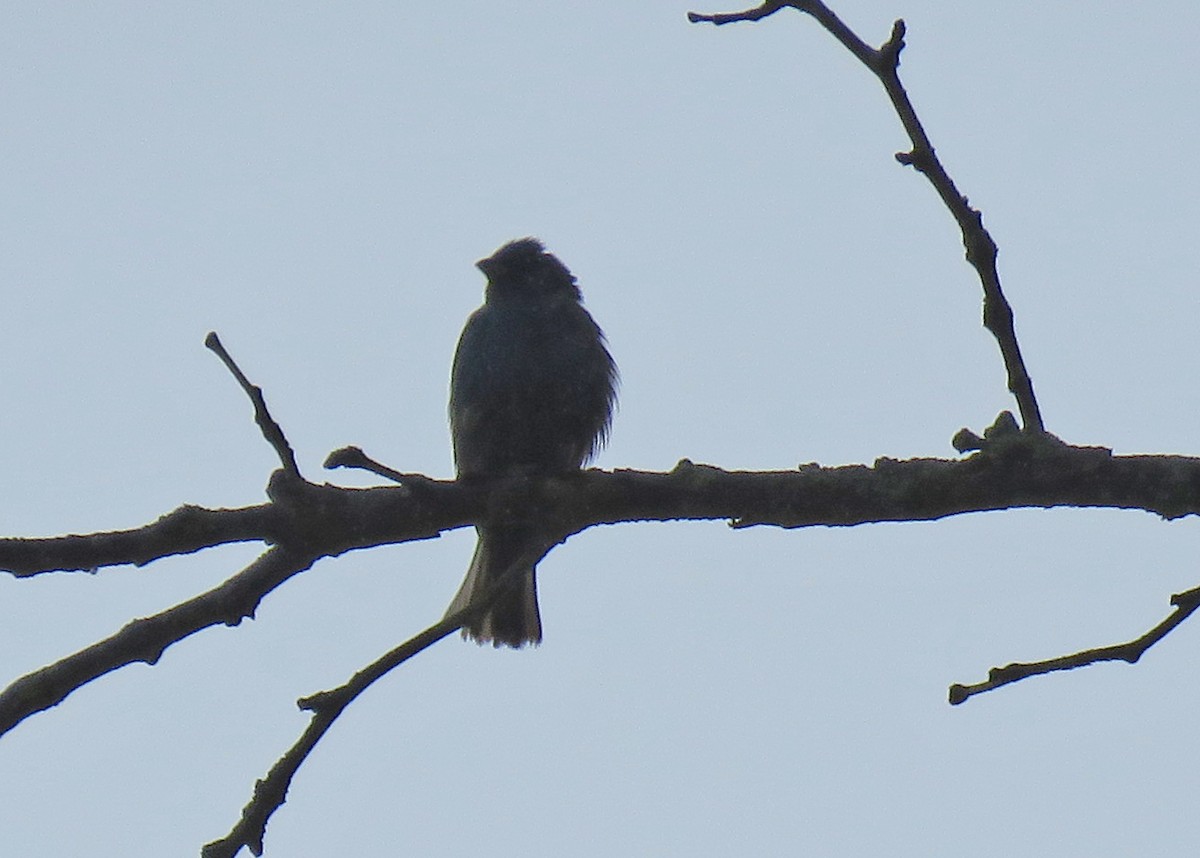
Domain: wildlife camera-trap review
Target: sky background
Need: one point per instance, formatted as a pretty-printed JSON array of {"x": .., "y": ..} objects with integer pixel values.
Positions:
[{"x": 314, "y": 182}]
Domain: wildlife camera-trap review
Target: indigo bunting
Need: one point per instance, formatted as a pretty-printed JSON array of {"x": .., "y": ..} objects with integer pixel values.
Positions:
[{"x": 531, "y": 392}]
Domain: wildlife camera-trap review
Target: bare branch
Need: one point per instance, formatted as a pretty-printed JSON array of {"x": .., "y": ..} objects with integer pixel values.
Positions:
[
  {"x": 981, "y": 249},
  {"x": 300, "y": 514},
  {"x": 270, "y": 429},
  {"x": 145, "y": 639},
  {"x": 1011, "y": 471},
  {"x": 1130, "y": 652},
  {"x": 353, "y": 457},
  {"x": 307, "y": 522},
  {"x": 271, "y": 792},
  {"x": 768, "y": 8},
  {"x": 186, "y": 530}
]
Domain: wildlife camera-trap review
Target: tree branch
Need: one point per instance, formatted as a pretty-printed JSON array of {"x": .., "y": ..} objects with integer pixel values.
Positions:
[
  {"x": 333, "y": 520},
  {"x": 270, "y": 793},
  {"x": 1129, "y": 652},
  {"x": 1010, "y": 472},
  {"x": 353, "y": 457},
  {"x": 186, "y": 530},
  {"x": 271, "y": 430},
  {"x": 981, "y": 249},
  {"x": 308, "y": 522},
  {"x": 145, "y": 639}
]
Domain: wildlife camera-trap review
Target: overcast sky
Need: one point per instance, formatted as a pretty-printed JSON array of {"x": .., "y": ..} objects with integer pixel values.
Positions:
[{"x": 315, "y": 182}]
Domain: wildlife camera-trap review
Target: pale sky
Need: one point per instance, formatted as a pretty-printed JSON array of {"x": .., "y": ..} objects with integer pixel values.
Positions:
[{"x": 315, "y": 182}]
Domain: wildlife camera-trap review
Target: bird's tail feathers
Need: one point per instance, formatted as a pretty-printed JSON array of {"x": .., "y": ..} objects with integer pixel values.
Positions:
[{"x": 514, "y": 619}]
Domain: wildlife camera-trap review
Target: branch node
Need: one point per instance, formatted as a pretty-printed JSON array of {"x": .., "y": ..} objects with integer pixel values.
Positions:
[
  {"x": 315, "y": 703},
  {"x": 966, "y": 441},
  {"x": 1188, "y": 599},
  {"x": 889, "y": 52}
]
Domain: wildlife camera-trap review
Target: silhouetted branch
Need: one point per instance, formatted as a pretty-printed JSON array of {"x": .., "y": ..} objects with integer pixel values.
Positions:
[
  {"x": 145, "y": 639},
  {"x": 980, "y": 248},
  {"x": 186, "y": 530},
  {"x": 308, "y": 521},
  {"x": 353, "y": 457},
  {"x": 1130, "y": 652},
  {"x": 1010, "y": 472},
  {"x": 270, "y": 429},
  {"x": 271, "y": 792},
  {"x": 303, "y": 522}
]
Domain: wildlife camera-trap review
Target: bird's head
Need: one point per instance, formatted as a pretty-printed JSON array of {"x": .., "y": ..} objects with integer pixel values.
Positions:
[{"x": 523, "y": 269}]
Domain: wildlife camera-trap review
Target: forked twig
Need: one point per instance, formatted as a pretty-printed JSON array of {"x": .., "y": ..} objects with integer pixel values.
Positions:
[
  {"x": 271, "y": 792},
  {"x": 1185, "y": 603},
  {"x": 981, "y": 253},
  {"x": 981, "y": 250}
]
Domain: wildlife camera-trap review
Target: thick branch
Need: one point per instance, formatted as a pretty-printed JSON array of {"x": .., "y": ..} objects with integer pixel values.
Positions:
[
  {"x": 310, "y": 522},
  {"x": 300, "y": 513},
  {"x": 327, "y": 520}
]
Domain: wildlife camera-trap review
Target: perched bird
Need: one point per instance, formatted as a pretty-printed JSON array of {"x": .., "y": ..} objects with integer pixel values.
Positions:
[{"x": 531, "y": 392}]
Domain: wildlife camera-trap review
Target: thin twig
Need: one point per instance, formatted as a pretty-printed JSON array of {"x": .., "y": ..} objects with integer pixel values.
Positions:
[
  {"x": 768, "y": 8},
  {"x": 1130, "y": 652},
  {"x": 981, "y": 249},
  {"x": 354, "y": 457},
  {"x": 270, "y": 429},
  {"x": 271, "y": 792}
]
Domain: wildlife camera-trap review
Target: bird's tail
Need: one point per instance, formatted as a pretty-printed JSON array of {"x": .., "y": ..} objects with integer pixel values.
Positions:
[{"x": 513, "y": 620}]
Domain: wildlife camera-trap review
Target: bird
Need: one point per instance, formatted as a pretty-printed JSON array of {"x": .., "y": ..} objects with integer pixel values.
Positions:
[{"x": 532, "y": 392}]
